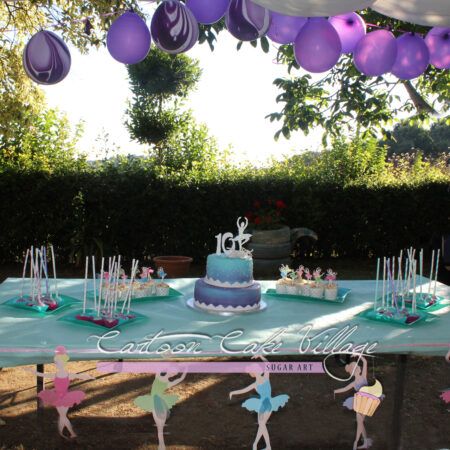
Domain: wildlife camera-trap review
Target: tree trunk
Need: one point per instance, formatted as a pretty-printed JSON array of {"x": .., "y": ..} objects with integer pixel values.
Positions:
[{"x": 420, "y": 103}]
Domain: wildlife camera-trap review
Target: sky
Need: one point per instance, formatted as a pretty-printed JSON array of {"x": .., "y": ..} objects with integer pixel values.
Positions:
[{"x": 233, "y": 97}]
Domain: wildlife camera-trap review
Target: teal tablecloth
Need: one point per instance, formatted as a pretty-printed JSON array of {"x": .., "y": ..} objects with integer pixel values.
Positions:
[{"x": 26, "y": 338}]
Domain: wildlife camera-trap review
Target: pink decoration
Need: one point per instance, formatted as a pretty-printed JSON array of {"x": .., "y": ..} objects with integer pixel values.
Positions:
[
  {"x": 375, "y": 53},
  {"x": 438, "y": 43},
  {"x": 317, "y": 47},
  {"x": 412, "y": 57},
  {"x": 351, "y": 28}
]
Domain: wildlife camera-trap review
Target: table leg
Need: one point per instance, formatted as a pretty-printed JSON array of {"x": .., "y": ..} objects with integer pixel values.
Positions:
[
  {"x": 396, "y": 438},
  {"x": 39, "y": 385}
]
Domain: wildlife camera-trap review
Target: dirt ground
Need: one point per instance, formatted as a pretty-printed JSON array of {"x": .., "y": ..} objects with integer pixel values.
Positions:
[{"x": 205, "y": 418}]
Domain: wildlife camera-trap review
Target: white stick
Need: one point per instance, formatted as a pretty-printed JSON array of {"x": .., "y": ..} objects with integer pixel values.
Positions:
[
  {"x": 101, "y": 286},
  {"x": 421, "y": 270},
  {"x": 94, "y": 281},
  {"x": 116, "y": 287},
  {"x": 54, "y": 270},
  {"x": 414, "y": 286},
  {"x": 376, "y": 285},
  {"x": 131, "y": 292},
  {"x": 384, "y": 281},
  {"x": 437, "y": 271},
  {"x": 85, "y": 283},
  {"x": 32, "y": 274},
  {"x": 431, "y": 273},
  {"x": 37, "y": 268},
  {"x": 23, "y": 273},
  {"x": 400, "y": 278}
]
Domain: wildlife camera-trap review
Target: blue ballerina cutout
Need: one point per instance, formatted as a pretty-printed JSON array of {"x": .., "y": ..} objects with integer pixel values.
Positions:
[
  {"x": 161, "y": 274},
  {"x": 264, "y": 405}
]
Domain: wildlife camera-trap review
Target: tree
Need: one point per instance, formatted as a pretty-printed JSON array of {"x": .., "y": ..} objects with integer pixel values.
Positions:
[{"x": 156, "y": 117}]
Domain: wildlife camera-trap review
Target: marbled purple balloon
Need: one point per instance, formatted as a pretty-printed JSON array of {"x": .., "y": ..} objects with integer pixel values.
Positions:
[
  {"x": 284, "y": 29},
  {"x": 246, "y": 20},
  {"x": 413, "y": 57},
  {"x": 128, "y": 39},
  {"x": 208, "y": 11},
  {"x": 375, "y": 53},
  {"x": 46, "y": 58},
  {"x": 438, "y": 43},
  {"x": 174, "y": 27},
  {"x": 317, "y": 47},
  {"x": 351, "y": 28}
]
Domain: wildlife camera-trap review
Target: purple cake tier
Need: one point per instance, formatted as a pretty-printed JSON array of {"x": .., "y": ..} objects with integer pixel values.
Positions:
[{"x": 219, "y": 297}]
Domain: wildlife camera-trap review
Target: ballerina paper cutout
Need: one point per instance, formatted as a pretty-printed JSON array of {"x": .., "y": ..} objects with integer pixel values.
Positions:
[
  {"x": 159, "y": 403},
  {"x": 264, "y": 405},
  {"x": 360, "y": 384},
  {"x": 61, "y": 397}
]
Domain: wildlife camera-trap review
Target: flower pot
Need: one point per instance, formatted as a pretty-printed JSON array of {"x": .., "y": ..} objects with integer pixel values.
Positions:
[
  {"x": 278, "y": 236},
  {"x": 174, "y": 266}
]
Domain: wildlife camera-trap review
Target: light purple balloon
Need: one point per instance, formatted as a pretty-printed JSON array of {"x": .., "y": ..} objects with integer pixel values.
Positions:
[
  {"x": 438, "y": 43},
  {"x": 284, "y": 29},
  {"x": 412, "y": 57},
  {"x": 174, "y": 27},
  {"x": 246, "y": 20},
  {"x": 208, "y": 11},
  {"x": 128, "y": 39},
  {"x": 351, "y": 28},
  {"x": 375, "y": 53},
  {"x": 317, "y": 46},
  {"x": 46, "y": 58}
]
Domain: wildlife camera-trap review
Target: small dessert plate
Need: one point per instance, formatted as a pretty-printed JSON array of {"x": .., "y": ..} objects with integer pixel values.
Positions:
[
  {"x": 422, "y": 317},
  {"x": 342, "y": 295},
  {"x": 191, "y": 304},
  {"x": 76, "y": 317},
  {"x": 64, "y": 302}
]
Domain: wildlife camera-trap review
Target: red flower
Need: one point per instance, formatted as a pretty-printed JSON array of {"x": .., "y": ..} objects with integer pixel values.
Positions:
[
  {"x": 257, "y": 204},
  {"x": 280, "y": 204},
  {"x": 257, "y": 220},
  {"x": 249, "y": 215}
]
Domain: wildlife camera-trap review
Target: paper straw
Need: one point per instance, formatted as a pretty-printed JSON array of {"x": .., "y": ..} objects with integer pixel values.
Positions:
[
  {"x": 437, "y": 271},
  {"x": 54, "y": 270},
  {"x": 414, "y": 286},
  {"x": 384, "y": 281},
  {"x": 101, "y": 286},
  {"x": 47, "y": 287},
  {"x": 421, "y": 270},
  {"x": 376, "y": 285},
  {"x": 24, "y": 272},
  {"x": 94, "y": 281},
  {"x": 116, "y": 286},
  {"x": 85, "y": 283}
]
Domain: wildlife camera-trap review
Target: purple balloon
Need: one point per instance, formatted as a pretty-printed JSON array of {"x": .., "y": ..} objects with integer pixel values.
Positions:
[
  {"x": 174, "y": 27},
  {"x": 284, "y": 29},
  {"x": 375, "y": 53},
  {"x": 46, "y": 58},
  {"x": 438, "y": 43},
  {"x": 412, "y": 57},
  {"x": 128, "y": 39},
  {"x": 351, "y": 28},
  {"x": 207, "y": 11},
  {"x": 317, "y": 47},
  {"x": 246, "y": 20}
]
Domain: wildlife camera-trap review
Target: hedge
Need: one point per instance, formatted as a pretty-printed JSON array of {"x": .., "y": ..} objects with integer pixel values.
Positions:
[{"x": 138, "y": 214}]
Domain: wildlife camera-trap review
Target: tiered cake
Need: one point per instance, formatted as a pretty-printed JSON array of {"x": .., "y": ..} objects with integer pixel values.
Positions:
[{"x": 228, "y": 284}]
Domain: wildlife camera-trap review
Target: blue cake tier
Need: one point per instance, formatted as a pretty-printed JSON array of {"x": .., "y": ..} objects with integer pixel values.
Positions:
[
  {"x": 223, "y": 271},
  {"x": 227, "y": 298}
]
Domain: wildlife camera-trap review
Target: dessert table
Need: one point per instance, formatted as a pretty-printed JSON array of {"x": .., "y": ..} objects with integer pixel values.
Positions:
[{"x": 286, "y": 327}]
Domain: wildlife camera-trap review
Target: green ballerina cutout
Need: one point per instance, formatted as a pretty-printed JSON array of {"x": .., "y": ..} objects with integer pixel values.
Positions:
[{"x": 159, "y": 403}]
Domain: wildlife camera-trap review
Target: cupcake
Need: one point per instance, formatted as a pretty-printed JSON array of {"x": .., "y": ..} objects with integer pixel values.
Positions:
[
  {"x": 367, "y": 399},
  {"x": 291, "y": 287},
  {"x": 150, "y": 288},
  {"x": 331, "y": 288},
  {"x": 281, "y": 286},
  {"x": 316, "y": 289},
  {"x": 162, "y": 289}
]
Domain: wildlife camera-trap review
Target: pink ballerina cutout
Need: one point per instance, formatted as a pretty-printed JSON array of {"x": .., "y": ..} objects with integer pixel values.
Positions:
[
  {"x": 300, "y": 271},
  {"x": 330, "y": 276},
  {"x": 308, "y": 274},
  {"x": 60, "y": 397}
]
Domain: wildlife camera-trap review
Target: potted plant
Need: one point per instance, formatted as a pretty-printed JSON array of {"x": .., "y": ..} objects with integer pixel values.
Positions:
[{"x": 174, "y": 266}]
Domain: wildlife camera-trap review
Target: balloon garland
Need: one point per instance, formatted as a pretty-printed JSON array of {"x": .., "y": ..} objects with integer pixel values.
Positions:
[{"x": 318, "y": 42}]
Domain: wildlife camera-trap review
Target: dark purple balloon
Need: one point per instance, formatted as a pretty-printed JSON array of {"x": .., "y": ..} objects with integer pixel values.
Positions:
[
  {"x": 46, "y": 58},
  {"x": 208, "y": 11},
  {"x": 412, "y": 57},
  {"x": 317, "y": 47},
  {"x": 351, "y": 28},
  {"x": 438, "y": 43},
  {"x": 174, "y": 27},
  {"x": 246, "y": 20},
  {"x": 284, "y": 29},
  {"x": 128, "y": 39},
  {"x": 375, "y": 53}
]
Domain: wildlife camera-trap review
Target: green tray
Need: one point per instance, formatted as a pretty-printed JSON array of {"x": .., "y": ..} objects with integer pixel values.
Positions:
[
  {"x": 370, "y": 314},
  {"x": 64, "y": 303},
  {"x": 172, "y": 294},
  {"x": 71, "y": 317},
  {"x": 342, "y": 294},
  {"x": 434, "y": 307}
]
